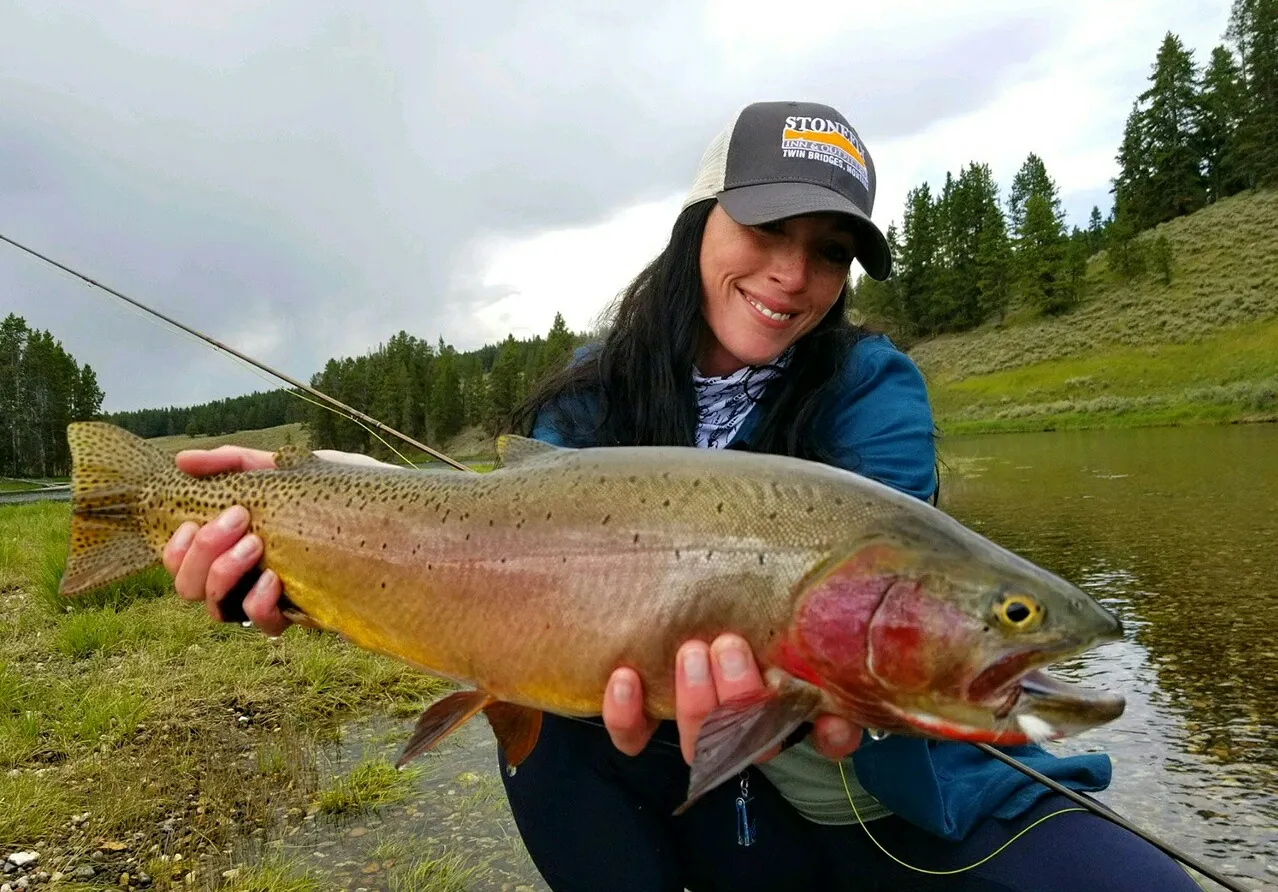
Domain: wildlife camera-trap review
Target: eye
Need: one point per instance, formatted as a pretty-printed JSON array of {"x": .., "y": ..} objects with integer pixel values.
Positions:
[
  {"x": 1019, "y": 612},
  {"x": 838, "y": 254}
]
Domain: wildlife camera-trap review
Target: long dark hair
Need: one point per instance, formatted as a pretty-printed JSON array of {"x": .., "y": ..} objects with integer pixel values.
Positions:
[{"x": 635, "y": 388}]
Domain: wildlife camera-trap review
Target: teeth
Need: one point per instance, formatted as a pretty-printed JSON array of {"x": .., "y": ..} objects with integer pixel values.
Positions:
[{"x": 780, "y": 317}]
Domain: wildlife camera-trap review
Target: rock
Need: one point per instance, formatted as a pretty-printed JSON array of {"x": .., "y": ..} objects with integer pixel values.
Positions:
[
  {"x": 22, "y": 883},
  {"x": 10, "y": 867},
  {"x": 371, "y": 867},
  {"x": 230, "y": 874},
  {"x": 357, "y": 832},
  {"x": 124, "y": 879},
  {"x": 22, "y": 859},
  {"x": 113, "y": 845},
  {"x": 84, "y": 872},
  {"x": 144, "y": 879},
  {"x": 6, "y": 888},
  {"x": 1271, "y": 869}
]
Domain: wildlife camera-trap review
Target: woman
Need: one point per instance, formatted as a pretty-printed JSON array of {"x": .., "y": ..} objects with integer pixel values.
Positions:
[{"x": 736, "y": 337}]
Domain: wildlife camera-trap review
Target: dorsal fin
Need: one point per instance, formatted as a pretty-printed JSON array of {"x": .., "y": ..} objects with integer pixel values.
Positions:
[
  {"x": 514, "y": 450},
  {"x": 290, "y": 455}
]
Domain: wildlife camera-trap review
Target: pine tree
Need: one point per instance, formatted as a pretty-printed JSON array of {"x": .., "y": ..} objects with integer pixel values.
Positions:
[
  {"x": 1177, "y": 186},
  {"x": 993, "y": 267},
  {"x": 919, "y": 261},
  {"x": 503, "y": 385},
  {"x": 1031, "y": 179},
  {"x": 1039, "y": 258},
  {"x": 557, "y": 350},
  {"x": 1095, "y": 231},
  {"x": 1253, "y": 29},
  {"x": 446, "y": 411},
  {"x": 1133, "y": 187},
  {"x": 1222, "y": 105}
]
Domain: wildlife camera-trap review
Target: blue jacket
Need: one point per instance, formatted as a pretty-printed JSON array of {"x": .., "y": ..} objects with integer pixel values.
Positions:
[{"x": 880, "y": 426}]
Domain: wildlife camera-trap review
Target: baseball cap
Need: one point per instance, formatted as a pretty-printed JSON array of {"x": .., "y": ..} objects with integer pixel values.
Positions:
[{"x": 782, "y": 159}]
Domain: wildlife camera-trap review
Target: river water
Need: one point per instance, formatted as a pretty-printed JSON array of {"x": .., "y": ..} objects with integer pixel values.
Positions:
[{"x": 1176, "y": 529}]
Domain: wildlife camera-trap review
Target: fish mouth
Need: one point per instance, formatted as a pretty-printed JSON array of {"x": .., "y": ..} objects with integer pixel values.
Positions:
[
  {"x": 1026, "y": 704},
  {"x": 1044, "y": 707}
]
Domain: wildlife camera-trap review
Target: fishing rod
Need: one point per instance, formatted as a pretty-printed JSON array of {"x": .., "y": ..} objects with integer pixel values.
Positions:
[
  {"x": 236, "y": 353},
  {"x": 1092, "y": 806},
  {"x": 1100, "y": 811}
]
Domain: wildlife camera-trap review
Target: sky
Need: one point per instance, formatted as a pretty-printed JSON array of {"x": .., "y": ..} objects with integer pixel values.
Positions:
[{"x": 302, "y": 179}]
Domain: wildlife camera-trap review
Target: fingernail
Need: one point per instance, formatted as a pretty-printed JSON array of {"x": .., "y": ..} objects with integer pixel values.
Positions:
[
  {"x": 696, "y": 666},
  {"x": 622, "y": 690},
  {"x": 732, "y": 662},
  {"x": 232, "y": 518},
  {"x": 246, "y": 548},
  {"x": 184, "y": 536}
]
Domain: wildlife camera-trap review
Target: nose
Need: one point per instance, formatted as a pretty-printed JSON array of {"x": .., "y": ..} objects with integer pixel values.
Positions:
[{"x": 788, "y": 265}]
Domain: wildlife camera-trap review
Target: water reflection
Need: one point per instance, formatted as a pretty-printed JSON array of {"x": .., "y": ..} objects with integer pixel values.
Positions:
[{"x": 1175, "y": 530}]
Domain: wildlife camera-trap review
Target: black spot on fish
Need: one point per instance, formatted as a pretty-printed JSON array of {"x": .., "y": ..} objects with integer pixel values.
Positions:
[
  {"x": 607, "y": 517},
  {"x": 761, "y": 559},
  {"x": 636, "y": 538},
  {"x": 719, "y": 508},
  {"x": 547, "y": 515}
]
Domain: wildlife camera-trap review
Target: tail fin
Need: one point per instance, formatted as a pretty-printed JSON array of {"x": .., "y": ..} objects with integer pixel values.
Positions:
[{"x": 109, "y": 468}]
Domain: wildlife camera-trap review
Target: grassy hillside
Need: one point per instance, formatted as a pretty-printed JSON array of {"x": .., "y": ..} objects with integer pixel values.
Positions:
[{"x": 1202, "y": 349}]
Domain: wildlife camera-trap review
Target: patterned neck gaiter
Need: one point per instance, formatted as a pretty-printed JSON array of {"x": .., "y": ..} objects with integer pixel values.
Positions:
[{"x": 723, "y": 403}]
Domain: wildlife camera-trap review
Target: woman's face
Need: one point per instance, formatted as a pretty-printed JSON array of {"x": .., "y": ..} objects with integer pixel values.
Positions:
[{"x": 764, "y": 287}]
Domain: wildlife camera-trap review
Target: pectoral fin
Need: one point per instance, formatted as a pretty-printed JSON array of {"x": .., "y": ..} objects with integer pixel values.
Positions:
[
  {"x": 516, "y": 728},
  {"x": 441, "y": 719},
  {"x": 743, "y": 728}
]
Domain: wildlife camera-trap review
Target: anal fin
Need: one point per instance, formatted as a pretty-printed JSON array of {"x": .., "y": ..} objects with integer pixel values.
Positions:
[
  {"x": 739, "y": 730},
  {"x": 516, "y": 729},
  {"x": 442, "y": 718}
]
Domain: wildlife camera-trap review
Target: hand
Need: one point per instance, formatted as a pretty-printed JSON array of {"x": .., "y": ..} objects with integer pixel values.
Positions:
[
  {"x": 705, "y": 677},
  {"x": 207, "y": 561}
]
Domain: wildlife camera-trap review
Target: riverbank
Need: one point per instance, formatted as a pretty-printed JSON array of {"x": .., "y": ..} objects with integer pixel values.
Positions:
[
  {"x": 1202, "y": 349},
  {"x": 143, "y": 746}
]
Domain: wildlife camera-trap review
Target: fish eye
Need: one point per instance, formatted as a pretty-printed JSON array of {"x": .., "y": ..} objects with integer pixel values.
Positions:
[{"x": 1019, "y": 612}]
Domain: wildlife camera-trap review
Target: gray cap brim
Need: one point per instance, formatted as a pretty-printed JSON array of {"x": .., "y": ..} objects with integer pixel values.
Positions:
[{"x": 768, "y": 202}]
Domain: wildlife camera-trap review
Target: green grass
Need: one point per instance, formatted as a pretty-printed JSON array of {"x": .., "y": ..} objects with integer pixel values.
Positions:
[
  {"x": 1132, "y": 353},
  {"x": 1230, "y": 375},
  {"x": 128, "y": 704},
  {"x": 8, "y": 484},
  {"x": 368, "y": 785},
  {"x": 270, "y": 438}
]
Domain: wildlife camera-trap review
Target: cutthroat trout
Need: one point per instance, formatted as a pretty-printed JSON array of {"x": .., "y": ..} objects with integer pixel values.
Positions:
[{"x": 531, "y": 584}]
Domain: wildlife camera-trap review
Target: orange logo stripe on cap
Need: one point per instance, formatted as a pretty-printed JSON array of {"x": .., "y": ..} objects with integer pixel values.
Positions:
[{"x": 829, "y": 138}]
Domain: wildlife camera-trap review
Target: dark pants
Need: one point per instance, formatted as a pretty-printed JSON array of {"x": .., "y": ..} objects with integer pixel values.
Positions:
[{"x": 594, "y": 819}]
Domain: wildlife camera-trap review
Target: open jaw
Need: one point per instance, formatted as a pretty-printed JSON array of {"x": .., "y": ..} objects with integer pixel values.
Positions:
[{"x": 1028, "y": 707}]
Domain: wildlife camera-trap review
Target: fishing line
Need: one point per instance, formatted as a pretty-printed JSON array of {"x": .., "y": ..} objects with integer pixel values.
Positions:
[
  {"x": 354, "y": 414},
  {"x": 360, "y": 417},
  {"x": 941, "y": 873},
  {"x": 148, "y": 317}
]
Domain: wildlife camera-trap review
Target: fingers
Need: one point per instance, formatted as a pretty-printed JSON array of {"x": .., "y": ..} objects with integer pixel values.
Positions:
[
  {"x": 261, "y": 605},
  {"x": 226, "y": 571},
  {"x": 210, "y": 542},
  {"x": 623, "y": 715},
  {"x": 203, "y": 462},
  {"x": 706, "y": 677}
]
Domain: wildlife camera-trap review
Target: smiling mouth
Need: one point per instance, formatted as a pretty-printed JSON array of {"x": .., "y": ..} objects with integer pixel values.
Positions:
[{"x": 775, "y": 317}]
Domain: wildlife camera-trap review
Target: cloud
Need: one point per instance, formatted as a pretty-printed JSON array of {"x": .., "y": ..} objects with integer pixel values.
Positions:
[{"x": 310, "y": 177}]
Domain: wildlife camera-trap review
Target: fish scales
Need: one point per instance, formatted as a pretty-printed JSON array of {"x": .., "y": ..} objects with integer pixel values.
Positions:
[
  {"x": 532, "y": 584},
  {"x": 482, "y": 577}
]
